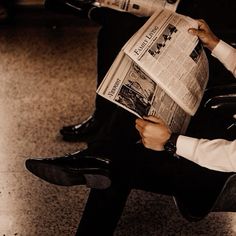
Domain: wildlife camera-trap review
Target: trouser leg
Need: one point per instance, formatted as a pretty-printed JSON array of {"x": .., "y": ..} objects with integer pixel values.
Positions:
[
  {"x": 102, "y": 211},
  {"x": 117, "y": 132},
  {"x": 195, "y": 188}
]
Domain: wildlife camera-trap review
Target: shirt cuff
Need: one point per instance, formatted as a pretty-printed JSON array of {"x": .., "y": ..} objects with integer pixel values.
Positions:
[
  {"x": 221, "y": 51},
  {"x": 186, "y": 146}
]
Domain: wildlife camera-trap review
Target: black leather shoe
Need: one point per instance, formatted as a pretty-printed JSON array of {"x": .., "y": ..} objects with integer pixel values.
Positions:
[
  {"x": 73, "y": 169},
  {"x": 83, "y": 132}
]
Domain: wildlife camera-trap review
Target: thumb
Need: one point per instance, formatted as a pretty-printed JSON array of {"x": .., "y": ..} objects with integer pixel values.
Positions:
[{"x": 193, "y": 31}]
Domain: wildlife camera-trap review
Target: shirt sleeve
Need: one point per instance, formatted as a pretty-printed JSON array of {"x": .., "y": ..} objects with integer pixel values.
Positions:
[
  {"x": 226, "y": 54},
  {"x": 217, "y": 154}
]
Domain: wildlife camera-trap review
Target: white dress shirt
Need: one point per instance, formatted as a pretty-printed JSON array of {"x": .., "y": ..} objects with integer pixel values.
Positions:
[
  {"x": 217, "y": 154},
  {"x": 226, "y": 54}
]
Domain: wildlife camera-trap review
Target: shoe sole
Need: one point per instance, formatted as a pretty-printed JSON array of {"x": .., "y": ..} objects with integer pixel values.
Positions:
[{"x": 68, "y": 177}]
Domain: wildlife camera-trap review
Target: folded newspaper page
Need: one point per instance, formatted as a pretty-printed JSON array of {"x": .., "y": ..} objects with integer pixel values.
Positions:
[
  {"x": 138, "y": 7},
  {"x": 162, "y": 70}
]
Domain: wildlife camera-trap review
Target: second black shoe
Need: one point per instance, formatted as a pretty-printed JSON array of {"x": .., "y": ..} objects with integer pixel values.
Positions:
[
  {"x": 82, "y": 132},
  {"x": 73, "y": 169}
]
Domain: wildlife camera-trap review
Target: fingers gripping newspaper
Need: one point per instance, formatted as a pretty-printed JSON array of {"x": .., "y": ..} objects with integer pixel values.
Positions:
[{"x": 162, "y": 71}]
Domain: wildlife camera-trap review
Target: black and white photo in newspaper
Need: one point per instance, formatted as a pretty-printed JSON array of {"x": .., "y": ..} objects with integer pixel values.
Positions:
[{"x": 129, "y": 87}]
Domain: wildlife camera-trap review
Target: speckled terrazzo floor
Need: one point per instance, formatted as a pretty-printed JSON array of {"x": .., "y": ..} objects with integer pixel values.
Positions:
[{"x": 48, "y": 79}]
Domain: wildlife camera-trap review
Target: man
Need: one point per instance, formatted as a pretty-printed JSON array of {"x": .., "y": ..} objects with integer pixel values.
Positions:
[
  {"x": 196, "y": 8},
  {"x": 216, "y": 154},
  {"x": 129, "y": 165}
]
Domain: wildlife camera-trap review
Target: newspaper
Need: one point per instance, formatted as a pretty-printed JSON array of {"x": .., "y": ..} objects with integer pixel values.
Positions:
[
  {"x": 138, "y": 7},
  {"x": 162, "y": 70}
]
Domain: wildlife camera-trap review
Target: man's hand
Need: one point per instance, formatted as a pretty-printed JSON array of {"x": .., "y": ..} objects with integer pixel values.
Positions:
[
  {"x": 205, "y": 34},
  {"x": 153, "y": 131}
]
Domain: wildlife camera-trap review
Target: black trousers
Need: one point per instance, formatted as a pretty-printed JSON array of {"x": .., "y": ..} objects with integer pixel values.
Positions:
[
  {"x": 133, "y": 166},
  {"x": 195, "y": 188}
]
